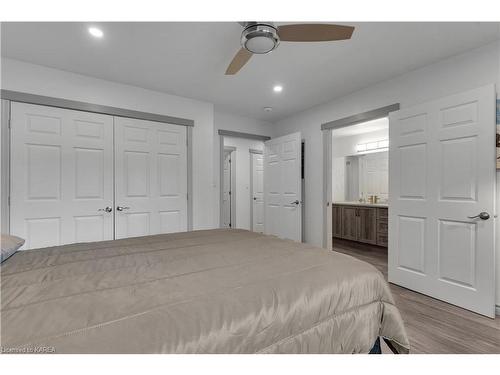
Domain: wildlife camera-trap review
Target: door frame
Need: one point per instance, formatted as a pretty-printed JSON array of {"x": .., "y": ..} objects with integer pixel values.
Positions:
[
  {"x": 327, "y": 129},
  {"x": 258, "y": 152},
  {"x": 229, "y": 133},
  {"x": 232, "y": 180},
  {"x": 5, "y": 167},
  {"x": 8, "y": 97}
]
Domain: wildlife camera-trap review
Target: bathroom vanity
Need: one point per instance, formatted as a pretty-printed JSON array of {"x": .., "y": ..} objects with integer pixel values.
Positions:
[{"x": 361, "y": 222}]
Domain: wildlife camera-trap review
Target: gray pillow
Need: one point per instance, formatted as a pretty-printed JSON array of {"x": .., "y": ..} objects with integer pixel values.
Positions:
[{"x": 9, "y": 244}]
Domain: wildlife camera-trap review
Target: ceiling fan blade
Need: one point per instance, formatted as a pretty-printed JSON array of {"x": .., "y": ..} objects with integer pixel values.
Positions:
[
  {"x": 239, "y": 61},
  {"x": 314, "y": 32}
]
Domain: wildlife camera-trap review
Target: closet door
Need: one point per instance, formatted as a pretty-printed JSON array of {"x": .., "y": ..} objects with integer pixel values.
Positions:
[
  {"x": 61, "y": 175},
  {"x": 150, "y": 178}
]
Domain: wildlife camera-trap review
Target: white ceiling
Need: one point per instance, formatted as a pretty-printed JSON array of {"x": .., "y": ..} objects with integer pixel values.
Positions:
[
  {"x": 189, "y": 59},
  {"x": 362, "y": 128}
]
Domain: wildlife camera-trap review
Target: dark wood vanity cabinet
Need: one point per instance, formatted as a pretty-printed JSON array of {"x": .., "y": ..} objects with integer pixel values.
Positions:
[
  {"x": 360, "y": 223},
  {"x": 349, "y": 223}
]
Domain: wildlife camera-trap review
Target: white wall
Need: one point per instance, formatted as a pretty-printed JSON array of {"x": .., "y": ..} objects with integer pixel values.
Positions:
[
  {"x": 242, "y": 159},
  {"x": 228, "y": 121},
  {"x": 35, "y": 79},
  {"x": 469, "y": 70}
]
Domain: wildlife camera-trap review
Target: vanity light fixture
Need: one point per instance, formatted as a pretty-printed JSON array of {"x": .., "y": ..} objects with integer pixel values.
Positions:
[{"x": 369, "y": 147}]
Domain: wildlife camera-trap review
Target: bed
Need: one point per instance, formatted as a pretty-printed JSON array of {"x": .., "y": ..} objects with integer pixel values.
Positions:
[{"x": 210, "y": 291}]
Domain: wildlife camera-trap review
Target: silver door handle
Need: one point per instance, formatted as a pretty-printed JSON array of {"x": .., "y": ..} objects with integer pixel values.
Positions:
[
  {"x": 107, "y": 209},
  {"x": 120, "y": 208},
  {"x": 295, "y": 202},
  {"x": 481, "y": 215}
]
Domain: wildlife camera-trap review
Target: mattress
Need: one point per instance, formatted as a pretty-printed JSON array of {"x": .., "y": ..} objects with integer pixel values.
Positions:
[{"x": 212, "y": 291}]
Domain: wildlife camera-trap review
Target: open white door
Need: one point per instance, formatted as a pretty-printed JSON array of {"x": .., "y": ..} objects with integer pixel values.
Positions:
[
  {"x": 282, "y": 187},
  {"x": 257, "y": 192},
  {"x": 226, "y": 192},
  {"x": 442, "y": 176}
]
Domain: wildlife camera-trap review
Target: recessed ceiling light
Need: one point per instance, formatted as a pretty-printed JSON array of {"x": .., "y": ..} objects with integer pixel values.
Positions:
[
  {"x": 268, "y": 109},
  {"x": 278, "y": 88},
  {"x": 95, "y": 32}
]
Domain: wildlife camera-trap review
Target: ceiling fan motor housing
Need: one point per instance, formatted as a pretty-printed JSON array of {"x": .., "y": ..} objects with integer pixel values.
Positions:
[{"x": 260, "y": 38}]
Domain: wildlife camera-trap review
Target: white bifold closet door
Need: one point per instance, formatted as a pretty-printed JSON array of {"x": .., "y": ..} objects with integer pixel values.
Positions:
[
  {"x": 61, "y": 175},
  {"x": 150, "y": 178},
  {"x": 81, "y": 177}
]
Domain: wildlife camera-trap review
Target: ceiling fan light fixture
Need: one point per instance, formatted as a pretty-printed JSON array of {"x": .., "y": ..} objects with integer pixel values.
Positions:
[{"x": 260, "y": 38}]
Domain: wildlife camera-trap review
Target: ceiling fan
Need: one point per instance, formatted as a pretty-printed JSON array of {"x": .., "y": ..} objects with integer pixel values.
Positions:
[{"x": 264, "y": 37}]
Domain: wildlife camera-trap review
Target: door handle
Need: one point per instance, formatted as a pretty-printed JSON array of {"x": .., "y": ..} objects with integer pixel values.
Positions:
[
  {"x": 107, "y": 209},
  {"x": 482, "y": 215},
  {"x": 120, "y": 208},
  {"x": 254, "y": 198},
  {"x": 295, "y": 202}
]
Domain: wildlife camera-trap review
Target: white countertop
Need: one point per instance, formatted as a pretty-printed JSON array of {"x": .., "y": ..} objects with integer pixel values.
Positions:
[{"x": 363, "y": 204}]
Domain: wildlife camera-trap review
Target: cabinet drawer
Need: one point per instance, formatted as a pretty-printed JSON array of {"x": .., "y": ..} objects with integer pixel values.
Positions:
[
  {"x": 382, "y": 239},
  {"x": 382, "y": 226},
  {"x": 382, "y": 213}
]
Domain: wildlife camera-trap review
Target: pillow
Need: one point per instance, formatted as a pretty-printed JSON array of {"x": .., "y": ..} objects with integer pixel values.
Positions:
[{"x": 9, "y": 244}]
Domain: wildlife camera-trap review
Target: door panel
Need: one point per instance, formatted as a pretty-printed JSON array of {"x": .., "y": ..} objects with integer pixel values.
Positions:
[
  {"x": 442, "y": 170},
  {"x": 151, "y": 178},
  {"x": 61, "y": 175},
  {"x": 350, "y": 223},
  {"x": 257, "y": 192},
  {"x": 282, "y": 187},
  {"x": 367, "y": 225}
]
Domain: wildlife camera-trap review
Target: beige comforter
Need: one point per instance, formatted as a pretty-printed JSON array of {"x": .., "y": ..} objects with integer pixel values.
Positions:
[{"x": 214, "y": 291}]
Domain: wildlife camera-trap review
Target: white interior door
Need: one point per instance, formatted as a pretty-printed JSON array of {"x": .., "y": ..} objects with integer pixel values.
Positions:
[
  {"x": 226, "y": 192},
  {"x": 150, "y": 178},
  {"x": 257, "y": 192},
  {"x": 442, "y": 173},
  {"x": 61, "y": 175},
  {"x": 282, "y": 187}
]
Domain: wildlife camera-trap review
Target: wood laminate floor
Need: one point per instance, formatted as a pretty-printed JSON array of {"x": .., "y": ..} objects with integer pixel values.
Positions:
[{"x": 433, "y": 326}]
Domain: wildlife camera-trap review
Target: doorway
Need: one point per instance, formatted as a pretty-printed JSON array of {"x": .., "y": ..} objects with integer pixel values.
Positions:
[
  {"x": 241, "y": 180},
  {"x": 360, "y": 180}
]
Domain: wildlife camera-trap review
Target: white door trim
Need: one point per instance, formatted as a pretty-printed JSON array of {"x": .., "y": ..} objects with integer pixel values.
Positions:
[
  {"x": 327, "y": 129},
  {"x": 327, "y": 189},
  {"x": 5, "y": 167},
  {"x": 232, "y": 190}
]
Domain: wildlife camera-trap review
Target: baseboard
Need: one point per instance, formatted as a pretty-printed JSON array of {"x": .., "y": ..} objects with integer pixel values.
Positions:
[{"x": 497, "y": 310}]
